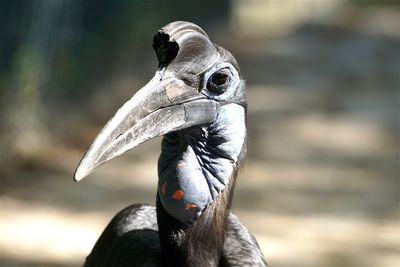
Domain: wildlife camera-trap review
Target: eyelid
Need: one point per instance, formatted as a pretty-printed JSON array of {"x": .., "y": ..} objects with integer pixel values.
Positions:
[
  {"x": 222, "y": 66},
  {"x": 224, "y": 70}
]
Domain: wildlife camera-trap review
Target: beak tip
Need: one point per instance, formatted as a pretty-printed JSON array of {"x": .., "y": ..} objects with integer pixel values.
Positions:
[{"x": 80, "y": 173}]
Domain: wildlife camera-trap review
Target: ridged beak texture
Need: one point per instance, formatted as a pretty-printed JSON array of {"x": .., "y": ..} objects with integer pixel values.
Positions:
[{"x": 167, "y": 103}]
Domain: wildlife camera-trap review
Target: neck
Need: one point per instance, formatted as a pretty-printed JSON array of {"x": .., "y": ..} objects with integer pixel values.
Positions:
[
  {"x": 199, "y": 243},
  {"x": 197, "y": 171},
  {"x": 190, "y": 236}
]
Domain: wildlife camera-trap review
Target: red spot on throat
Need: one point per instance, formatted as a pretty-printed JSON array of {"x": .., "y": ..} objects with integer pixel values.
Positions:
[
  {"x": 164, "y": 187},
  {"x": 190, "y": 206},
  {"x": 178, "y": 195}
]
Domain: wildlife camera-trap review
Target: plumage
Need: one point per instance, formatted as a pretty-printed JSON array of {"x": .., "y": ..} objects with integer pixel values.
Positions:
[
  {"x": 197, "y": 102},
  {"x": 131, "y": 239}
]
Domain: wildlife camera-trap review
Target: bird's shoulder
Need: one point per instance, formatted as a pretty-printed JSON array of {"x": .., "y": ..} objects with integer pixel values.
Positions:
[
  {"x": 130, "y": 239},
  {"x": 240, "y": 247},
  {"x": 134, "y": 217}
]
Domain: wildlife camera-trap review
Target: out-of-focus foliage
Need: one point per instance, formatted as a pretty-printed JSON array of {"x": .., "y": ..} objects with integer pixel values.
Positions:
[{"x": 68, "y": 40}]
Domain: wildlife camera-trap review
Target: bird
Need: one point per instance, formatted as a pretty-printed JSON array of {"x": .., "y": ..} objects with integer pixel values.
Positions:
[{"x": 197, "y": 102}]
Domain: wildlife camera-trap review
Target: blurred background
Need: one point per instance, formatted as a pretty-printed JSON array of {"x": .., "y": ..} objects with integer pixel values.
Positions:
[{"x": 320, "y": 186}]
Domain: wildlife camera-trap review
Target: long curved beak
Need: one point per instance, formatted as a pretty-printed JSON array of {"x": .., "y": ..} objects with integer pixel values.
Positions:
[{"x": 163, "y": 105}]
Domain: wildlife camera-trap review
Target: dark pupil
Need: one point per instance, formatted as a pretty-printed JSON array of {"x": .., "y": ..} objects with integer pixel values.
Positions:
[{"x": 219, "y": 78}]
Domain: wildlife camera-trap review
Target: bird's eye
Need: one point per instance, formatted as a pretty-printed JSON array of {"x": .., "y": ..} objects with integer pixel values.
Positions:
[{"x": 219, "y": 81}]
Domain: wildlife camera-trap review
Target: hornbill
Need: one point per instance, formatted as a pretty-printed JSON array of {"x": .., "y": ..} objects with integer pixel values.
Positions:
[{"x": 197, "y": 102}]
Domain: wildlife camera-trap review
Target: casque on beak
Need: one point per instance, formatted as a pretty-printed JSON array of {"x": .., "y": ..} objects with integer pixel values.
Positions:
[{"x": 164, "y": 105}]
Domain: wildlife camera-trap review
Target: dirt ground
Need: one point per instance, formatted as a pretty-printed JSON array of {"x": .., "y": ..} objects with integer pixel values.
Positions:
[{"x": 320, "y": 186}]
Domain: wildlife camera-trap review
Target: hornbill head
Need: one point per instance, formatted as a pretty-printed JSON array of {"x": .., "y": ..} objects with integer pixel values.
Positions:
[{"x": 197, "y": 101}]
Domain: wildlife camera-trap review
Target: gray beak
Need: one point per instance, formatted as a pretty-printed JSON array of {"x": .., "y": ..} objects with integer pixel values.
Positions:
[{"x": 164, "y": 105}]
